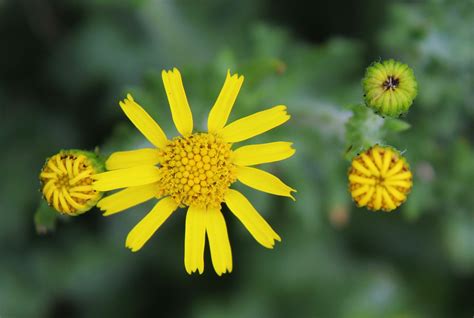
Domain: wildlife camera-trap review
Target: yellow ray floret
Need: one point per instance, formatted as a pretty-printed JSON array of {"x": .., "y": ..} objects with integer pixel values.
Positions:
[
  {"x": 263, "y": 181},
  {"x": 216, "y": 230},
  {"x": 150, "y": 223},
  {"x": 255, "y": 124},
  {"x": 251, "y": 219},
  {"x": 144, "y": 123},
  {"x": 263, "y": 153},
  {"x": 193, "y": 171},
  {"x": 380, "y": 179},
  {"x": 194, "y": 240},
  {"x": 128, "y": 177},
  {"x": 127, "y": 198},
  {"x": 132, "y": 158},
  {"x": 221, "y": 110},
  {"x": 180, "y": 111}
]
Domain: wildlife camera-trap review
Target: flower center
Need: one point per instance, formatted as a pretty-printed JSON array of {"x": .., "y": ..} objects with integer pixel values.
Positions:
[
  {"x": 197, "y": 170},
  {"x": 67, "y": 183},
  {"x": 391, "y": 83}
]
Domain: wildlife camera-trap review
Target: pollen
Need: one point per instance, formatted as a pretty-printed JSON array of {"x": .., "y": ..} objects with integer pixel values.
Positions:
[
  {"x": 66, "y": 180},
  {"x": 380, "y": 179},
  {"x": 197, "y": 170}
]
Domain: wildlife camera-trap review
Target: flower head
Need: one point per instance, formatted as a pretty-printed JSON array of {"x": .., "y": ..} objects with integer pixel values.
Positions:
[
  {"x": 66, "y": 181},
  {"x": 389, "y": 87},
  {"x": 380, "y": 179},
  {"x": 195, "y": 171}
]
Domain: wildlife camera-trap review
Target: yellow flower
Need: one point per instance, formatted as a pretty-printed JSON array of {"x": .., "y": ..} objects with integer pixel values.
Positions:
[
  {"x": 196, "y": 170},
  {"x": 66, "y": 181},
  {"x": 380, "y": 179}
]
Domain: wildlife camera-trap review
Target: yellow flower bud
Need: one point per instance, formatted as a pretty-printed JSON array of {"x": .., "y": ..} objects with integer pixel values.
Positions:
[
  {"x": 66, "y": 181},
  {"x": 380, "y": 179}
]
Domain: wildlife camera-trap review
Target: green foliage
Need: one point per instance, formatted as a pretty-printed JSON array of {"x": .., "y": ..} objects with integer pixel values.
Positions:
[
  {"x": 365, "y": 129},
  {"x": 45, "y": 218}
]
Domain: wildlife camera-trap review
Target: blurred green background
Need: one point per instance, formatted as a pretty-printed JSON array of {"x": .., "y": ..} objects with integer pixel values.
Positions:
[{"x": 64, "y": 65}]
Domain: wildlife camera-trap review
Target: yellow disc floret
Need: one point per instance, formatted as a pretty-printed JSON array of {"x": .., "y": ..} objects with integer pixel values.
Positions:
[
  {"x": 197, "y": 170},
  {"x": 66, "y": 180},
  {"x": 380, "y": 179}
]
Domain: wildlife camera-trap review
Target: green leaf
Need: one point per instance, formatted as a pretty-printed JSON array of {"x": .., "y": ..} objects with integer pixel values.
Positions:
[
  {"x": 363, "y": 130},
  {"x": 395, "y": 125},
  {"x": 45, "y": 218}
]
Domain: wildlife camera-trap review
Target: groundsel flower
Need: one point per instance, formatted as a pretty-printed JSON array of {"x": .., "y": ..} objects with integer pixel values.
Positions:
[{"x": 195, "y": 171}]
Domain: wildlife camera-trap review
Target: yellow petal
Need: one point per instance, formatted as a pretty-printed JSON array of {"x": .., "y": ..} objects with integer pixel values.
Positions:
[
  {"x": 194, "y": 240},
  {"x": 144, "y": 123},
  {"x": 360, "y": 167},
  {"x": 63, "y": 202},
  {"x": 263, "y": 181},
  {"x": 357, "y": 179},
  {"x": 223, "y": 106},
  {"x": 48, "y": 189},
  {"x": 56, "y": 200},
  {"x": 84, "y": 174},
  {"x": 142, "y": 232},
  {"x": 49, "y": 175},
  {"x": 395, "y": 169},
  {"x": 401, "y": 176},
  {"x": 369, "y": 163},
  {"x": 60, "y": 164},
  {"x": 251, "y": 219},
  {"x": 388, "y": 200},
  {"x": 396, "y": 194},
  {"x": 398, "y": 183},
  {"x": 255, "y": 124},
  {"x": 182, "y": 116},
  {"x": 54, "y": 168},
  {"x": 262, "y": 153},
  {"x": 71, "y": 201},
  {"x": 80, "y": 195},
  {"x": 387, "y": 158},
  {"x": 378, "y": 198},
  {"x": 69, "y": 167},
  {"x": 83, "y": 188},
  {"x": 361, "y": 190},
  {"x": 221, "y": 253},
  {"x": 366, "y": 197},
  {"x": 377, "y": 158},
  {"x": 127, "y": 198},
  {"x": 128, "y": 159},
  {"x": 124, "y": 178}
]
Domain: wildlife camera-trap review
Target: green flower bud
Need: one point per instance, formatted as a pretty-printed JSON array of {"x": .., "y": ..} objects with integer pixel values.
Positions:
[{"x": 389, "y": 88}]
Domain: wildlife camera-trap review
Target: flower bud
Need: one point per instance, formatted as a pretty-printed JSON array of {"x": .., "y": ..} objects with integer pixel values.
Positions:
[
  {"x": 66, "y": 181},
  {"x": 389, "y": 87},
  {"x": 380, "y": 179}
]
